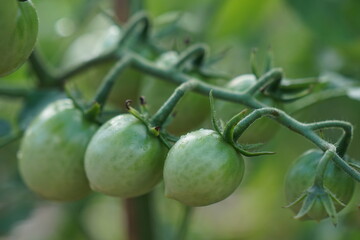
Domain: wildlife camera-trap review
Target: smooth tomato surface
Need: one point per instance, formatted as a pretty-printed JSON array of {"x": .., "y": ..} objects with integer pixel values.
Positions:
[
  {"x": 201, "y": 169},
  {"x": 51, "y": 156},
  {"x": 123, "y": 159}
]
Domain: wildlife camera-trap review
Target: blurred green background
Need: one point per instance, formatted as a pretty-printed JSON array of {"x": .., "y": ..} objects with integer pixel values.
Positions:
[{"x": 307, "y": 37}]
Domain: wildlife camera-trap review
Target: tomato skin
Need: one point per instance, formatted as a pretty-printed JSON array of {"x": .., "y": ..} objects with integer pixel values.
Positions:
[
  {"x": 192, "y": 109},
  {"x": 18, "y": 39},
  {"x": 301, "y": 177},
  {"x": 52, "y": 152},
  {"x": 123, "y": 159},
  {"x": 201, "y": 169},
  {"x": 263, "y": 129}
]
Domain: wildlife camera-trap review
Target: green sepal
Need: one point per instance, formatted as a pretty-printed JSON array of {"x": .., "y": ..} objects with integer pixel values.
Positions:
[
  {"x": 269, "y": 61},
  {"x": 93, "y": 112},
  {"x": 143, "y": 106},
  {"x": 214, "y": 121},
  {"x": 75, "y": 97},
  {"x": 296, "y": 201},
  {"x": 164, "y": 141},
  {"x": 228, "y": 132},
  {"x": 136, "y": 113},
  {"x": 288, "y": 97},
  {"x": 253, "y": 63},
  {"x": 328, "y": 204},
  {"x": 306, "y": 206},
  {"x": 335, "y": 198},
  {"x": 355, "y": 165},
  {"x": 250, "y": 154},
  {"x": 298, "y": 84}
]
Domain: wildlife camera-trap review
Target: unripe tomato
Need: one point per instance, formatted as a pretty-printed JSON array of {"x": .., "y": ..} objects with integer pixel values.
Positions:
[
  {"x": 301, "y": 176},
  {"x": 263, "y": 129},
  {"x": 192, "y": 109},
  {"x": 124, "y": 159},
  {"x": 18, "y": 31},
  {"x": 51, "y": 156},
  {"x": 201, "y": 169}
]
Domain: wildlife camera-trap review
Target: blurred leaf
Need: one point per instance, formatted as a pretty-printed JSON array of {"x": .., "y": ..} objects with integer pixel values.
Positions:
[
  {"x": 5, "y": 128},
  {"x": 35, "y": 103},
  {"x": 333, "y": 21},
  {"x": 239, "y": 17}
]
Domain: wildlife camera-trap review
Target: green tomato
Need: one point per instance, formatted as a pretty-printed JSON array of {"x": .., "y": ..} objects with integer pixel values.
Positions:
[
  {"x": 51, "y": 156},
  {"x": 301, "y": 176},
  {"x": 18, "y": 36},
  {"x": 263, "y": 129},
  {"x": 124, "y": 159},
  {"x": 201, "y": 169},
  {"x": 192, "y": 109}
]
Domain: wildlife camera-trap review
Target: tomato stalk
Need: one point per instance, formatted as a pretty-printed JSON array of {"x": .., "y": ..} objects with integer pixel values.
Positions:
[
  {"x": 163, "y": 113},
  {"x": 194, "y": 54},
  {"x": 303, "y": 129},
  {"x": 107, "y": 84},
  {"x": 44, "y": 75},
  {"x": 14, "y": 92},
  {"x": 344, "y": 140}
]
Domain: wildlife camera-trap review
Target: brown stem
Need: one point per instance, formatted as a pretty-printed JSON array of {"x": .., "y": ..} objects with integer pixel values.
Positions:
[{"x": 139, "y": 218}]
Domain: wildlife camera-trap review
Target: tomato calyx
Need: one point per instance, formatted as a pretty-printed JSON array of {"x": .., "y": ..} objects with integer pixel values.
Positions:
[
  {"x": 144, "y": 117},
  {"x": 317, "y": 194},
  {"x": 91, "y": 113},
  {"x": 227, "y": 131}
]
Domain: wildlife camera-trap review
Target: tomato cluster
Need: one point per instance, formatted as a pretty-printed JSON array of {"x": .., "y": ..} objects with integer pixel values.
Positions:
[{"x": 61, "y": 158}]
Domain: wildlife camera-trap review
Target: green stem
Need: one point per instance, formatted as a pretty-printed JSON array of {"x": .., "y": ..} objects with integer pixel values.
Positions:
[
  {"x": 14, "y": 92},
  {"x": 111, "y": 56},
  {"x": 265, "y": 80},
  {"x": 283, "y": 119},
  {"x": 132, "y": 28},
  {"x": 321, "y": 167},
  {"x": 109, "y": 81},
  {"x": 344, "y": 140},
  {"x": 44, "y": 75},
  {"x": 303, "y": 129},
  {"x": 165, "y": 110},
  {"x": 195, "y": 54},
  {"x": 178, "y": 78},
  {"x": 313, "y": 99},
  {"x": 346, "y": 167},
  {"x": 185, "y": 223}
]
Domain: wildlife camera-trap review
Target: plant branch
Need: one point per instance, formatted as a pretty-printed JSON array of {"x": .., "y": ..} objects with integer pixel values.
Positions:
[
  {"x": 163, "y": 113},
  {"x": 41, "y": 69},
  {"x": 109, "y": 81},
  {"x": 111, "y": 56},
  {"x": 14, "y": 92},
  {"x": 306, "y": 130}
]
